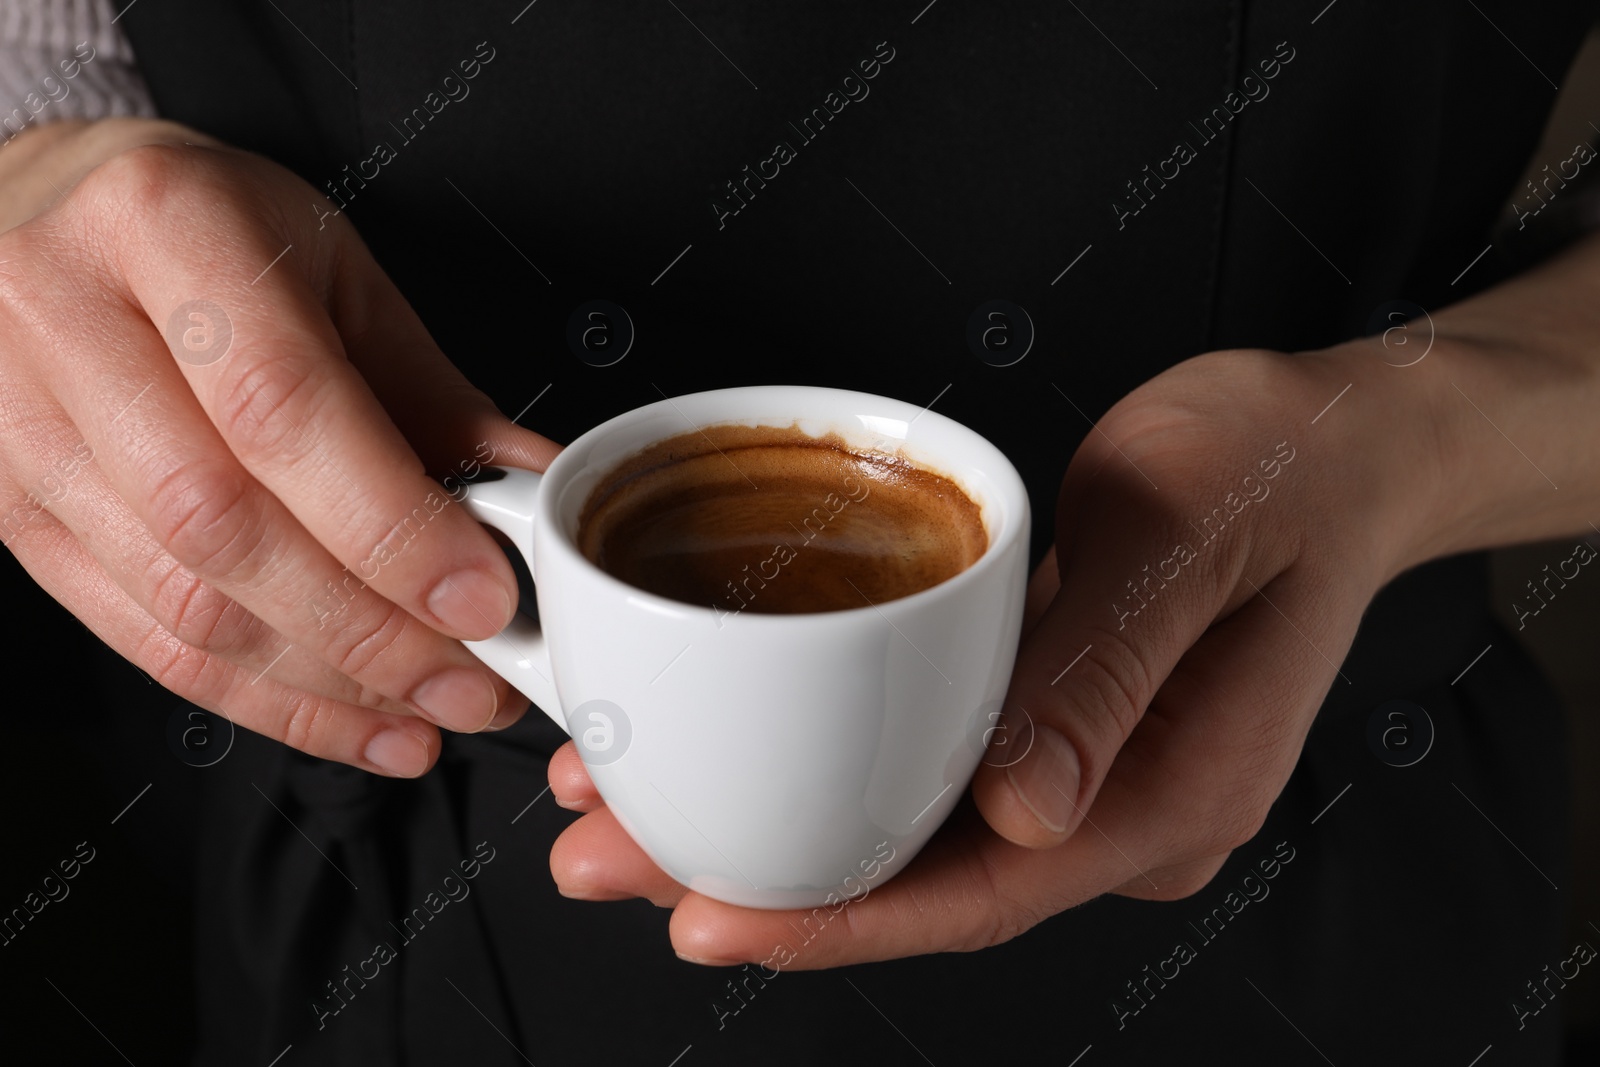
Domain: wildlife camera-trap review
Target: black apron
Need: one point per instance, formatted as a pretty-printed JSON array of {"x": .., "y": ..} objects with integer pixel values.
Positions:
[{"x": 1128, "y": 181}]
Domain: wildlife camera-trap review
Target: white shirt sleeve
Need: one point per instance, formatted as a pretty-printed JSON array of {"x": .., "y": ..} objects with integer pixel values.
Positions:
[{"x": 66, "y": 59}]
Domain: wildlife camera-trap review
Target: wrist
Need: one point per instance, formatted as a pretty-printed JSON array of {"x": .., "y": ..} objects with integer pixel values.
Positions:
[
  {"x": 1396, "y": 441},
  {"x": 1467, "y": 444}
]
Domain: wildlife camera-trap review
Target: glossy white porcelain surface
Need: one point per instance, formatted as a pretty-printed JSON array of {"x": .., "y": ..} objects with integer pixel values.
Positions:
[{"x": 769, "y": 761}]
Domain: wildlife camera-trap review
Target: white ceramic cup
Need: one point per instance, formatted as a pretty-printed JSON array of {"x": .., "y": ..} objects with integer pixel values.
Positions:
[{"x": 767, "y": 760}]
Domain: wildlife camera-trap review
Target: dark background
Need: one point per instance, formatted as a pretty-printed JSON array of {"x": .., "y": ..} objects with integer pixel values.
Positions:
[{"x": 995, "y": 141}]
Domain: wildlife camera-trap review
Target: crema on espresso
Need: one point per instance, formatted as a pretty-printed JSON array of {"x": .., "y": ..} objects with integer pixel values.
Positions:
[{"x": 773, "y": 520}]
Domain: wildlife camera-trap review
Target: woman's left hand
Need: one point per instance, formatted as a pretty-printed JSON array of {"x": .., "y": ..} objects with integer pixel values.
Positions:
[{"x": 1217, "y": 542}]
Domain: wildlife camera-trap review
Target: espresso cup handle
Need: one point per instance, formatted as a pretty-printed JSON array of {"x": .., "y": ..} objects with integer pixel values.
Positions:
[{"x": 504, "y": 499}]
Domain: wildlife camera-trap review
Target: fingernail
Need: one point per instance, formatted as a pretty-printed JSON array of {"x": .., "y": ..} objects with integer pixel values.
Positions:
[
  {"x": 593, "y": 893},
  {"x": 472, "y": 603},
  {"x": 398, "y": 752},
  {"x": 458, "y": 698},
  {"x": 707, "y": 962},
  {"x": 1046, "y": 779}
]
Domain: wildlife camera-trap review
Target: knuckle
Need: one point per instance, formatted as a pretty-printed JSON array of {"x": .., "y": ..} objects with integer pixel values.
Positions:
[
  {"x": 198, "y": 614},
  {"x": 139, "y": 185},
  {"x": 264, "y": 407},
  {"x": 207, "y": 513},
  {"x": 1111, "y": 689},
  {"x": 308, "y": 722},
  {"x": 360, "y": 643},
  {"x": 1244, "y": 827},
  {"x": 176, "y": 666},
  {"x": 153, "y": 189},
  {"x": 148, "y": 164},
  {"x": 365, "y": 696},
  {"x": 1008, "y": 919},
  {"x": 1232, "y": 823}
]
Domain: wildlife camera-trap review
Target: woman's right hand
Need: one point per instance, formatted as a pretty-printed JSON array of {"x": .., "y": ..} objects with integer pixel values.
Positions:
[{"x": 216, "y": 415}]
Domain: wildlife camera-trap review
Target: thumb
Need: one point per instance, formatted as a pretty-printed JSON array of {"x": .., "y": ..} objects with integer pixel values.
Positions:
[{"x": 1138, "y": 588}]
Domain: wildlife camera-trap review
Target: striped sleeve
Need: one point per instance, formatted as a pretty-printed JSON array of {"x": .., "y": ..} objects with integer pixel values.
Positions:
[{"x": 66, "y": 59}]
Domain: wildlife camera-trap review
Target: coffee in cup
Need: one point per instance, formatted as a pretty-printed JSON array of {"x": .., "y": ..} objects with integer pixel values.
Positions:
[{"x": 774, "y": 520}]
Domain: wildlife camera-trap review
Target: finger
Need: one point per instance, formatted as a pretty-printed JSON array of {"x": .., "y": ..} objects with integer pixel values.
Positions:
[
  {"x": 452, "y": 425},
  {"x": 570, "y": 782},
  {"x": 66, "y": 480},
  {"x": 1230, "y": 723},
  {"x": 161, "y": 453},
  {"x": 595, "y": 859},
  {"x": 956, "y": 896},
  {"x": 1042, "y": 589},
  {"x": 393, "y": 745},
  {"x": 1098, "y": 654},
  {"x": 232, "y": 536},
  {"x": 1196, "y": 779},
  {"x": 290, "y": 405}
]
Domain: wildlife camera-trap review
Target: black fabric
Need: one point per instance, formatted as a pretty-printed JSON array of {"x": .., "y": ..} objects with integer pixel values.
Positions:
[{"x": 999, "y": 141}]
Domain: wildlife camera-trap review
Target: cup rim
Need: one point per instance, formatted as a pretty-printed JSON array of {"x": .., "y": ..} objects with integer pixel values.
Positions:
[{"x": 1009, "y": 492}]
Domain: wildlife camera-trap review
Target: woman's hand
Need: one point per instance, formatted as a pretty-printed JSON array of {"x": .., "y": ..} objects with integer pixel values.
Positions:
[
  {"x": 216, "y": 412},
  {"x": 1216, "y": 544}
]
